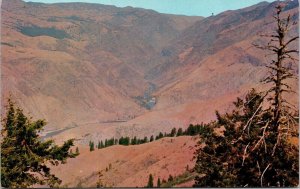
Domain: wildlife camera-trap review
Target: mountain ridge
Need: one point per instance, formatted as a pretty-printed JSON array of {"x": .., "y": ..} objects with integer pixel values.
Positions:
[
  {"x": 97, "y": 72},
  {"x": 92, "y": 64}
]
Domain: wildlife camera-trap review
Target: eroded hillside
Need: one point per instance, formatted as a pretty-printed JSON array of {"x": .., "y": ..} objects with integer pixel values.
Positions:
[{"x": 97, "y": 71}]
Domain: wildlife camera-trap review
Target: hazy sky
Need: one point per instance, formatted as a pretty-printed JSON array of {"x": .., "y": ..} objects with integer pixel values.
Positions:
[{"x": 185, "y": 7}]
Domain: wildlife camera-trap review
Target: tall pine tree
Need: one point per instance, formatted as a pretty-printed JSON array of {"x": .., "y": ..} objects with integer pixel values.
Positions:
[
  {"x": 24, "y": 156},
  {"x": 255, "y": 148}
]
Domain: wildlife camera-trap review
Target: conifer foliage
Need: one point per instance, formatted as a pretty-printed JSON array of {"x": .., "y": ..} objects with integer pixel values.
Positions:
[
  {"x": 150, "y": 181},
  {"x": 92, "y": 146},
  {"x": 255, "y": 148},
  {"x": 24, "y": 157},
  {"x": 158, "y": 183}
]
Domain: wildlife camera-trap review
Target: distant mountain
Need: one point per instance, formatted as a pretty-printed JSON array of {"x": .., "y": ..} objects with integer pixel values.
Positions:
[
  {"x": 100, "y": 71},
  {"x": 215, "y": 33},
  {"x": 215, "y": 59},
  {"x": 96, "y": 71},
  {"x": 74, "y": 63}
]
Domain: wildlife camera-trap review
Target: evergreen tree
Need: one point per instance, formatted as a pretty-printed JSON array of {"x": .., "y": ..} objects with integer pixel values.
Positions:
[
  {"x": 145, "y": 139},
  {"x": 113, "y": 141},
  {"x": 77, "y": 150},
  {"x": 127, "y": 141},
  {"x": 160, "y": 135},
  {"x": 191, "y": 131},
  {"x": 179, "y": 132},
  {"x": 92, "y": 147},
  {"x": 105, "y": 143},
  {"x": 173, "y": 132},
  {"x": 151, "y": 138},
  {"x": 110, "y": 142},
  {"x": 24, "y": 156},
  {"x": 99, "y": 145},
  {"x": 245, "y": 154},
  {"x": 121, "y": 141},
  {"x": 150, "y": 181},
  {"x": 201, "y": 128},
  {"x": 158, "y": 183},
  {"x": 124, "y": 141},
  {"x": 134, "y": 141}
]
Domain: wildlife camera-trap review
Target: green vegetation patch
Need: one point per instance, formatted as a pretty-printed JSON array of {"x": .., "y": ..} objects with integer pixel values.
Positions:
[{"x": 34, "y": 31}]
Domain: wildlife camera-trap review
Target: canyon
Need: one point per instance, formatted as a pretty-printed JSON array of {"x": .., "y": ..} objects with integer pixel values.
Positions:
[{"x": 97, "y": 71}]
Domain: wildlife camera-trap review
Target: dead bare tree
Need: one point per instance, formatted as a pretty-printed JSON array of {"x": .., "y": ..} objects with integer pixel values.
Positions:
[{"x": 280, "y": 71}]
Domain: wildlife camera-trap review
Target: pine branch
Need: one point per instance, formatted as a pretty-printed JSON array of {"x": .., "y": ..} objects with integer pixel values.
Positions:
[
  {"x": 245, "y": 154},
  {"x": 262, "y": 139},
  {"x": 262, "y": 176},
  {"x": 250, "y": 120}
]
